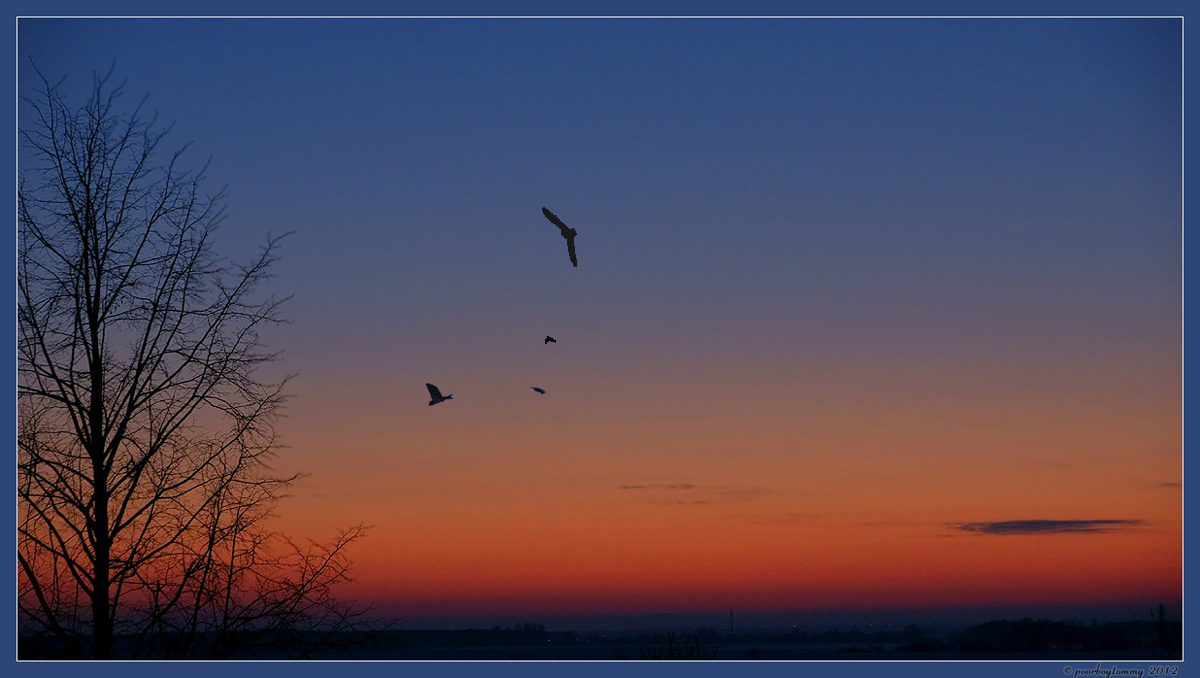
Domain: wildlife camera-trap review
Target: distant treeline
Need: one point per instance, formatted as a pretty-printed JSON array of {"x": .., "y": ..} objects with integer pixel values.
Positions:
[
  {"x": 1042, "y": 634},
  {"x": 1022, "y": 635}
]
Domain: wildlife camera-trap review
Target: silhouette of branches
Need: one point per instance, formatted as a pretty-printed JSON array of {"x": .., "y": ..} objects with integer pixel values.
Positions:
[{"x": 144, "y": 436}]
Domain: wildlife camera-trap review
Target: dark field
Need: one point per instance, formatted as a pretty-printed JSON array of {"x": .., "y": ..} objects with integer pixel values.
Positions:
[{"x": 997, "y": 640}]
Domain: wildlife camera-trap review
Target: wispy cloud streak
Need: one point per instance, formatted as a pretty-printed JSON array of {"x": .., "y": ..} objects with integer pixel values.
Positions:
[
  {"x": 697, "y": 494},
  {"x": 1047, "y": 526}
]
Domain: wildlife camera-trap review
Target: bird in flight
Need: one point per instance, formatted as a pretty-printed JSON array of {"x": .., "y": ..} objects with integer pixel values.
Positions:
[
  {"x": 539, "y": 390},
  {"x": 568, "y": 233},
  {"x": 550, "y": 339},
  {"x": 437, "y": 395}
]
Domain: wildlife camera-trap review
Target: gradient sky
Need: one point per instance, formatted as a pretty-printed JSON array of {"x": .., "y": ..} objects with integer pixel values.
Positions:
[{"x": 868, "y": 312}]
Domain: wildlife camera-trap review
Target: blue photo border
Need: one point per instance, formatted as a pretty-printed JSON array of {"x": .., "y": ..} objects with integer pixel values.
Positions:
[{"x": 584, "y": 8}]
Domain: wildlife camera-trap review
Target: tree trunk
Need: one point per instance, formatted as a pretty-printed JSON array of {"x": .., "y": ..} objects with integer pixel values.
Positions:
[
  {"x": 102, "y": 631},
  {"x": 102, "y": 628}
]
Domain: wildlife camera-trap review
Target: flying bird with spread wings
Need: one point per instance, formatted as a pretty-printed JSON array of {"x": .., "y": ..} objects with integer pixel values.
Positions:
[
  {"x": 437, "y": 395},
  {"x": 550, "y": 339},
  {"x": 568, "y": 233}
]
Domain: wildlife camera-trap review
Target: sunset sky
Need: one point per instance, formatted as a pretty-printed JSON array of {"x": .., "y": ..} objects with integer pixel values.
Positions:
[{"x": 868, "y": 313}]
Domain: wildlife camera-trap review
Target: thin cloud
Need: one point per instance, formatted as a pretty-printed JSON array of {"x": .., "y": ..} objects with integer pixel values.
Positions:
[
  {"x": 1047, "y": 526},
  {"x": 699, "y": 494},
  {"x": 1170, "y": 485}
]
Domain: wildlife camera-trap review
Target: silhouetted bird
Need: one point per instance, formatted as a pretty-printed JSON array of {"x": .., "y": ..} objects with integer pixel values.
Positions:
[
  {"x": 568, "y": 233},
  {"x": 437, "y": 395},
  {"x": 550, "y": 339},
  {"x": 537, "y": 389}
]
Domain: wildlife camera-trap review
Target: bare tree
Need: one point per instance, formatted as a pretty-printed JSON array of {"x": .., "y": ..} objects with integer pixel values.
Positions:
[{"x": 144, "y": 436}]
